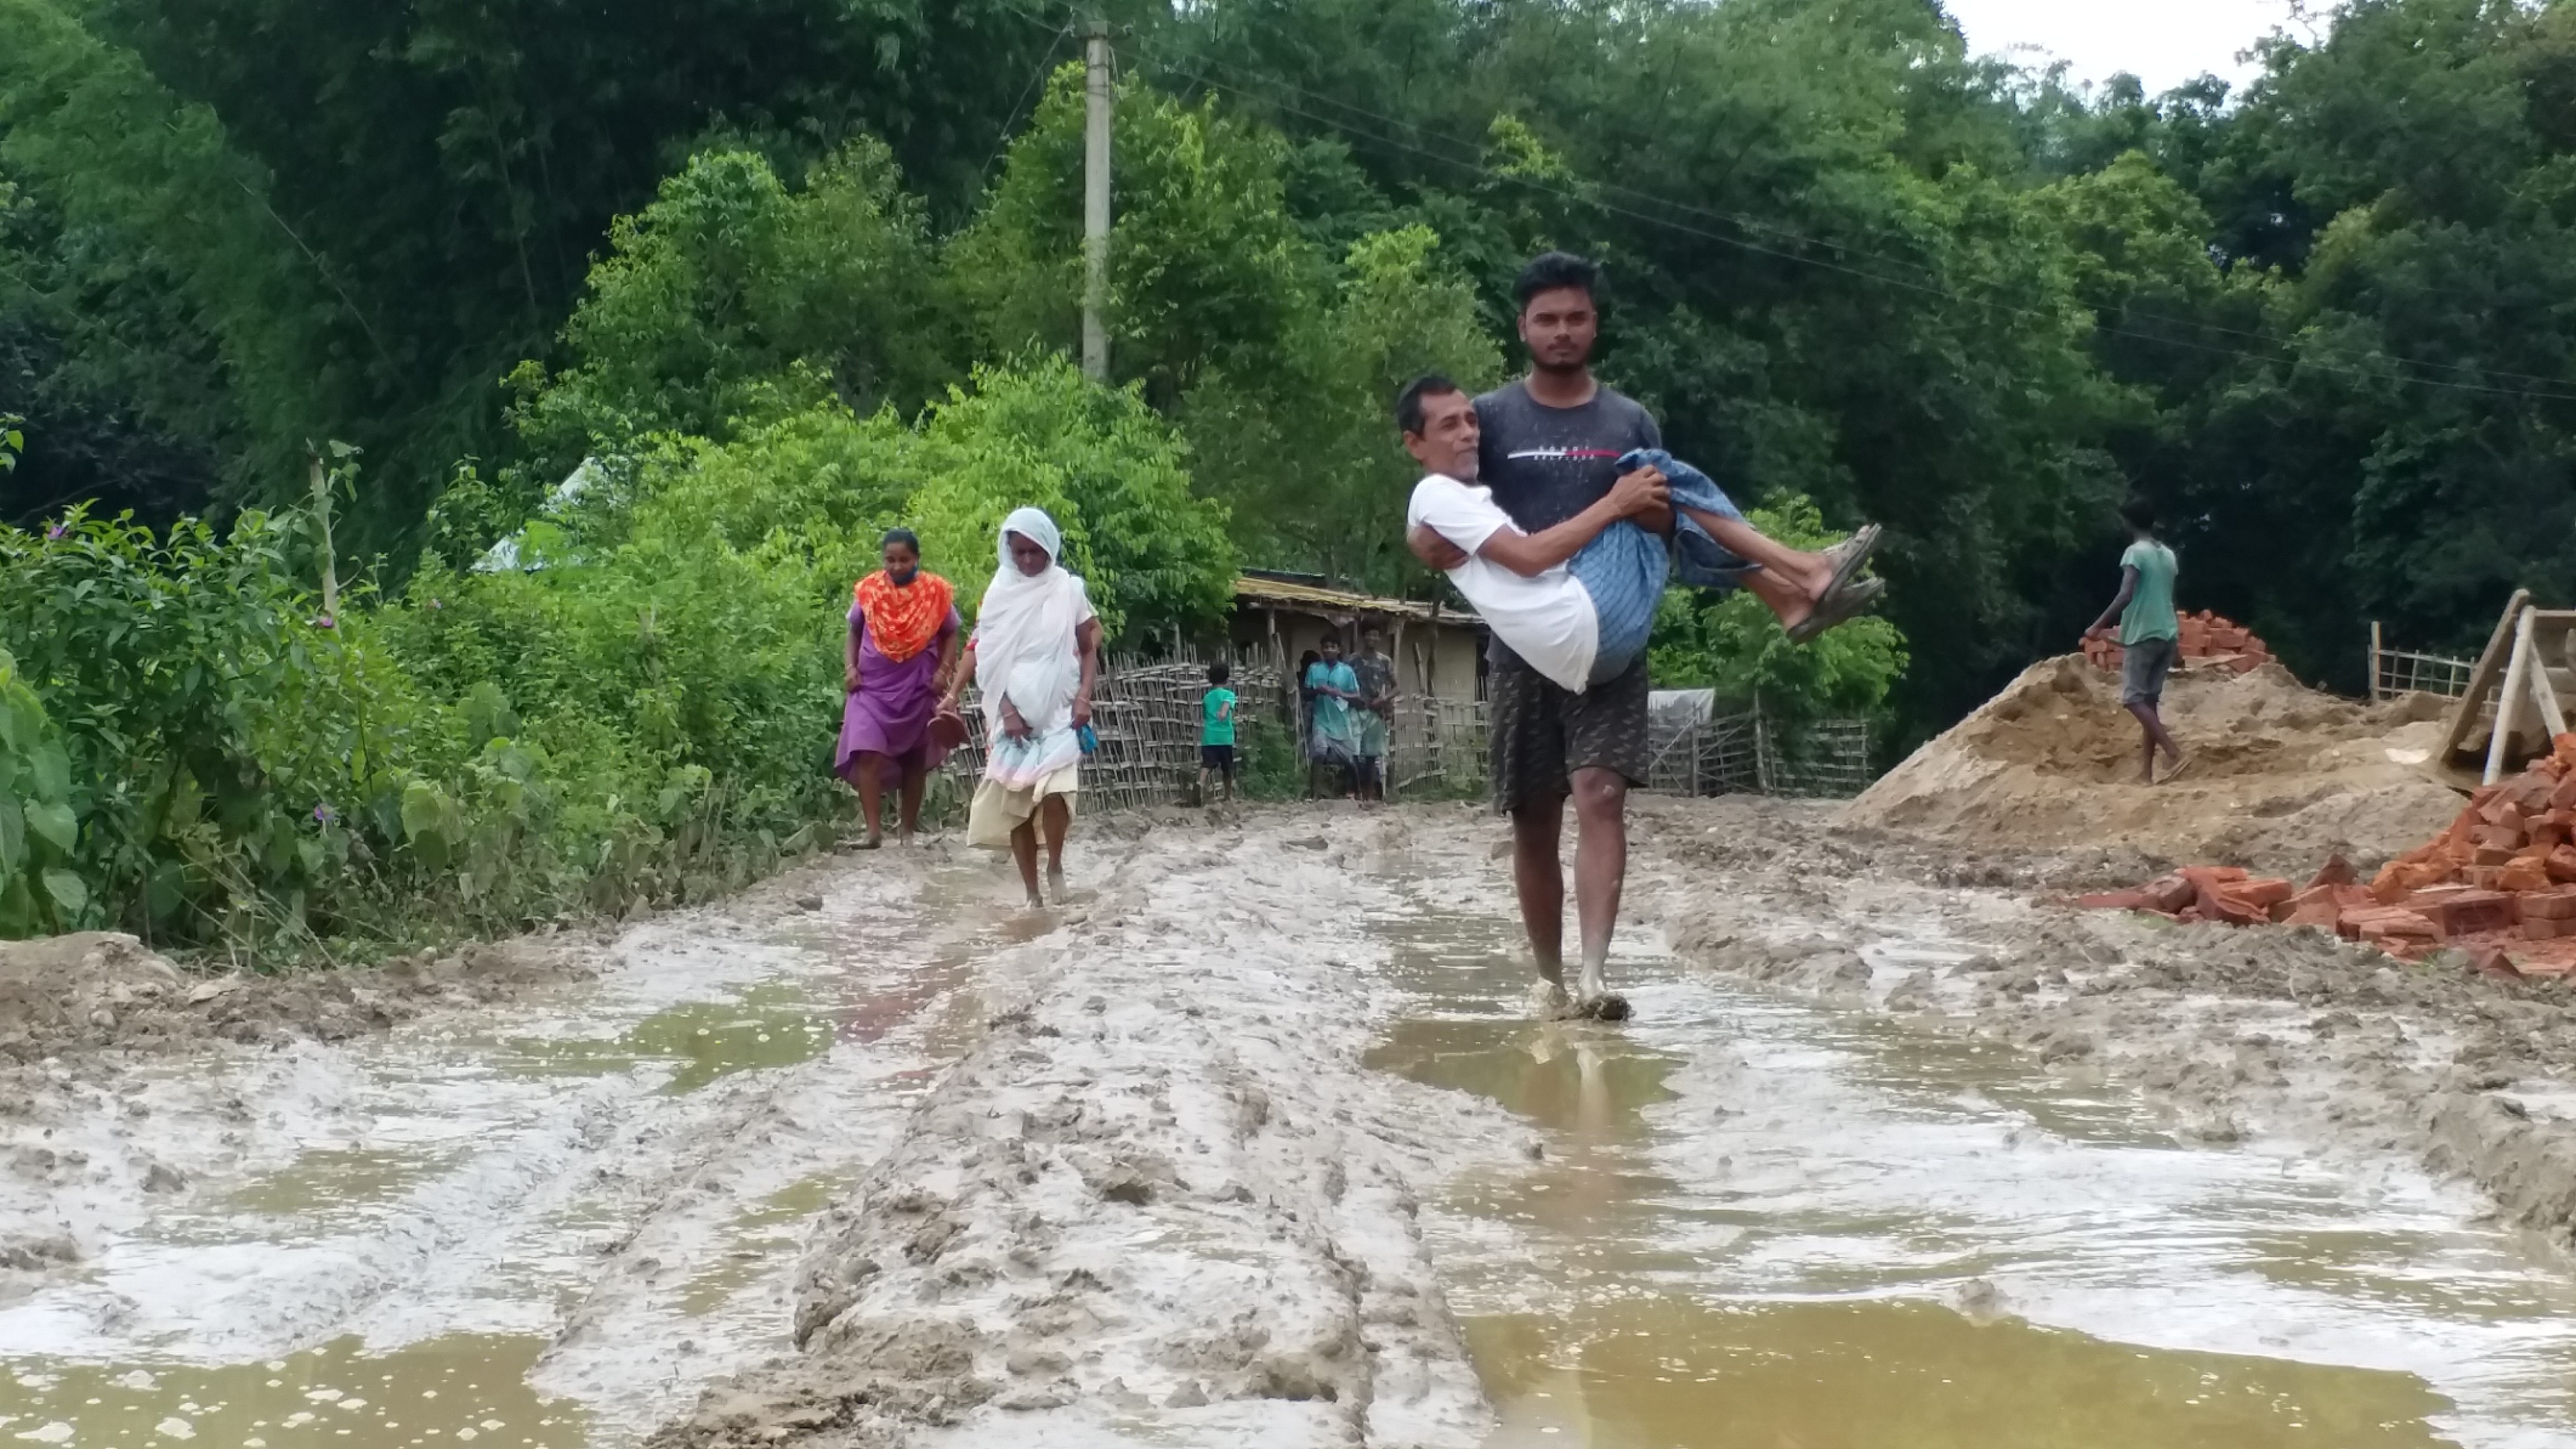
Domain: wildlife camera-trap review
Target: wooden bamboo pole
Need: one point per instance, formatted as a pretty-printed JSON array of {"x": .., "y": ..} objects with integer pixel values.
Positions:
[{"x": 2509, "y": 703}]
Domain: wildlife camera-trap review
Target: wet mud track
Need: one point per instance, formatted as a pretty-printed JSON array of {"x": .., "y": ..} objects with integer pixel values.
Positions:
[
  {"x": 558, "y": 1217},
  {"x": 1257, "y": 1146}
]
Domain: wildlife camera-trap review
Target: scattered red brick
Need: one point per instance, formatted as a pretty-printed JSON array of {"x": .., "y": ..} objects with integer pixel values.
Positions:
[
  {"x": 2207, "y": 637},
  {"x": 2500, "y": 883}
]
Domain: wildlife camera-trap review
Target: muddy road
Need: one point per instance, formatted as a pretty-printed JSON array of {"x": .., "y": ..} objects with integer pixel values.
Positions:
[{"x": 1256, "y": 1144}]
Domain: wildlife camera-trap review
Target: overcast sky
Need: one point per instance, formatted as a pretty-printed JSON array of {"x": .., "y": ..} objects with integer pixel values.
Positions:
[{"x": 2162, "y": 42}]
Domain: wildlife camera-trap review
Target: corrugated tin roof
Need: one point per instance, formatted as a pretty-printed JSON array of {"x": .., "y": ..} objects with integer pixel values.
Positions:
[{"x": 1343, "y": 601}]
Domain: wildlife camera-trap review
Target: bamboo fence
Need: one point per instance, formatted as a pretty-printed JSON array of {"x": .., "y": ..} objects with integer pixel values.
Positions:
[
  {"x": 1148, "y": 718},
  {"x": 2398, "y": 671},
  {"x": 1147, "y": 715},
  {"x": 1748, "y": 753}
]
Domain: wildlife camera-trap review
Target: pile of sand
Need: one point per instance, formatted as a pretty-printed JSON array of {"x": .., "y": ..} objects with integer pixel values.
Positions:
[{"x": 2282, "y": 776}]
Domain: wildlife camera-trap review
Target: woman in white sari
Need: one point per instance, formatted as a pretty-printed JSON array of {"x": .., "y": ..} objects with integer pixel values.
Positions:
[{"x": 1036, "y": 647}]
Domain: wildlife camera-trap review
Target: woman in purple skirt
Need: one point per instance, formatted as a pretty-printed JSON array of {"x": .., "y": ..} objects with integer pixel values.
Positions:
[{"x": 902, "y": 650}]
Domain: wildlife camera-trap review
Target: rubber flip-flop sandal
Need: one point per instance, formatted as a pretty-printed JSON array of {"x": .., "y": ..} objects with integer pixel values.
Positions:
[
  {"x": 1850, "y": 555},
  {"x": 868, "y": 845},
  {"x": 1837, "y": 609},
  {"x": 2179, "y": 766}
]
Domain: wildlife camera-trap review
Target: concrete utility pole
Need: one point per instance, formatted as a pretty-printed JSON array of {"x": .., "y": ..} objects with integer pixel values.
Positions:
[{"x": 1095, "y": 201}]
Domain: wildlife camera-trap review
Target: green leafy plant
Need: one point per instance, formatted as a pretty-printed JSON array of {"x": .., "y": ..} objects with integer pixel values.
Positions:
[
  {"x": 1736, "y": 645},
  {"x": 39, "y": 828},
  {"x": 214, "y": 720}
]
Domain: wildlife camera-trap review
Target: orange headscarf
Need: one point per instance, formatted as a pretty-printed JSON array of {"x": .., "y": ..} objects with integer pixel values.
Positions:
[{"x": 904, "y": 620}]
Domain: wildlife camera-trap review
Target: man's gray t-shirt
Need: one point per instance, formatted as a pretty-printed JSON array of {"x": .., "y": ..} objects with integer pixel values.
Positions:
[{"x": 1547, "y": 464}]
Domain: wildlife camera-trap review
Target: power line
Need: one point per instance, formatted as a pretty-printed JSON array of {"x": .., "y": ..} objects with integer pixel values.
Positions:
[
  {"x": 1930, "y": 289},
  {"x": 1045, "y": 67},
  {"x": 1924, "y": 288},
  {"x": 1756, "y": 224}
]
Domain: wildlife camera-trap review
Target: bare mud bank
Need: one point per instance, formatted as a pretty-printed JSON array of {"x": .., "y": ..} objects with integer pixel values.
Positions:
[
  {"x": 2282, "y": 1034},
  {"x": 100, "y": 999},
  {"x": 2281, "y": 777}
]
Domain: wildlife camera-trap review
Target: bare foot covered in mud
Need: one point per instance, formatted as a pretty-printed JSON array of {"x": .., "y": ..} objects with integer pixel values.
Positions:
[
  {"x": 1549, "y": 1002},
  {"x": 1055, "y": 887},
  {"x": 1608, "y": 1007}
]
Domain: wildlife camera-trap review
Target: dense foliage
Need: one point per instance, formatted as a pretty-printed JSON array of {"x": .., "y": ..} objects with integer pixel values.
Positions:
[
  {"x": 1735, "y": 646},
  {"x": 771, "y": 273},
  {"x": 192, "y": 749}
]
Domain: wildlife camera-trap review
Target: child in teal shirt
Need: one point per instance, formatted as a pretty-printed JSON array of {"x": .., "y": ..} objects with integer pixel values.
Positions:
[
  {"x": 2150, "y": 634},
  {"x": 1216, "y": 732}
]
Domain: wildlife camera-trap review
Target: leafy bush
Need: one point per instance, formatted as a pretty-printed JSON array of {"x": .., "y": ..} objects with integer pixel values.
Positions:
[
  {"x": 729, "y": 285},
  {"x": 1736, "y": 646},
  {"x": 643, "y": 711},
  {"x": 1155, "y": 554},
  {"x": 38, "y": 830},
  {"x": 214, "y": 726}
]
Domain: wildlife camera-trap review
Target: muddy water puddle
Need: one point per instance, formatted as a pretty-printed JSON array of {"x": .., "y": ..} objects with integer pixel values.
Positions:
[
  {"x": 1757, "y": 1221},
  {"x": 462, "y": 1390},
  {"x": 536, "y": 1226}
]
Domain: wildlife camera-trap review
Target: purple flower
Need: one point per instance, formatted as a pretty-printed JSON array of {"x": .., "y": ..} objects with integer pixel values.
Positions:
[
  {"x": 323, "y": 814},
  {"x": 325, "y": 621},
  {"x": 55, "y": 532}
]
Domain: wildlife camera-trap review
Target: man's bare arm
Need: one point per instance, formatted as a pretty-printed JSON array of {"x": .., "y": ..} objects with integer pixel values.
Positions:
[
  {"x": 1532, "y": 554},
  {"x": 1437, "y": 553},
  {"x": 2119, "y": 601}
]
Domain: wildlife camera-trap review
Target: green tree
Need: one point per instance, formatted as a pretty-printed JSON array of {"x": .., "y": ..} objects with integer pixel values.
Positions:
[
  {"x": 370, "y": 213},
  {"x": 1307, "y": 444},
  {"x": 1278, "y": 360},
  {"x": 1158, "y": 554},
  {"x": 142, "y": 272},
  {"x": 1205, "y": 269},
  {"x": 731, "y": 295},
  {"x": 1737, "y": 647}
]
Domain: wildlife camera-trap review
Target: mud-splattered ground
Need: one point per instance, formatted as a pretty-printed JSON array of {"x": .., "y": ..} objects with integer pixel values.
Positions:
[
  {"x": 2279, "y": 1032},
  {"x": 1255, "y": 1144}
]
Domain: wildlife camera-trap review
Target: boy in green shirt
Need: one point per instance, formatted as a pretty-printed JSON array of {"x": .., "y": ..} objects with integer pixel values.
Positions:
[
  {"x": 1216, "y": 732},
  {"x": 2150, "y": 634}
]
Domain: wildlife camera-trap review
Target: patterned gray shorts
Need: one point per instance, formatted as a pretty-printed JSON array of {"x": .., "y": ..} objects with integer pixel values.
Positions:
[
  {"x": 2143, "y": 667},
  {"x": 1542, "y": 734}
]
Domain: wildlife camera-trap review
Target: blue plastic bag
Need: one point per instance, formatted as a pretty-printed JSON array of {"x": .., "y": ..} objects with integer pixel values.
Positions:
[{"x": 1090, "y": 741}]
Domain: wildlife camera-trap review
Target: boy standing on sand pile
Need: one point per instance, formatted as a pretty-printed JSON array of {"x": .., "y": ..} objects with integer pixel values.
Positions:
[{"x": 2150, "y": 634}]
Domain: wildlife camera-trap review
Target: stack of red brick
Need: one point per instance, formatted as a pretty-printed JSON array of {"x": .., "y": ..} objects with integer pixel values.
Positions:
[
  {"x": 2208, "y": 637},
  {"x": 2501, "y": 881}
]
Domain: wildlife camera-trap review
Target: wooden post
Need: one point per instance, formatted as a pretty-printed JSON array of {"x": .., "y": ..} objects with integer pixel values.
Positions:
[
  {"x": 2509, "y": 703},
  {"x": 2482, "y": 677},
  {"x": 2543, "y": 693},
  {"x": 2375, "y": 695}
]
